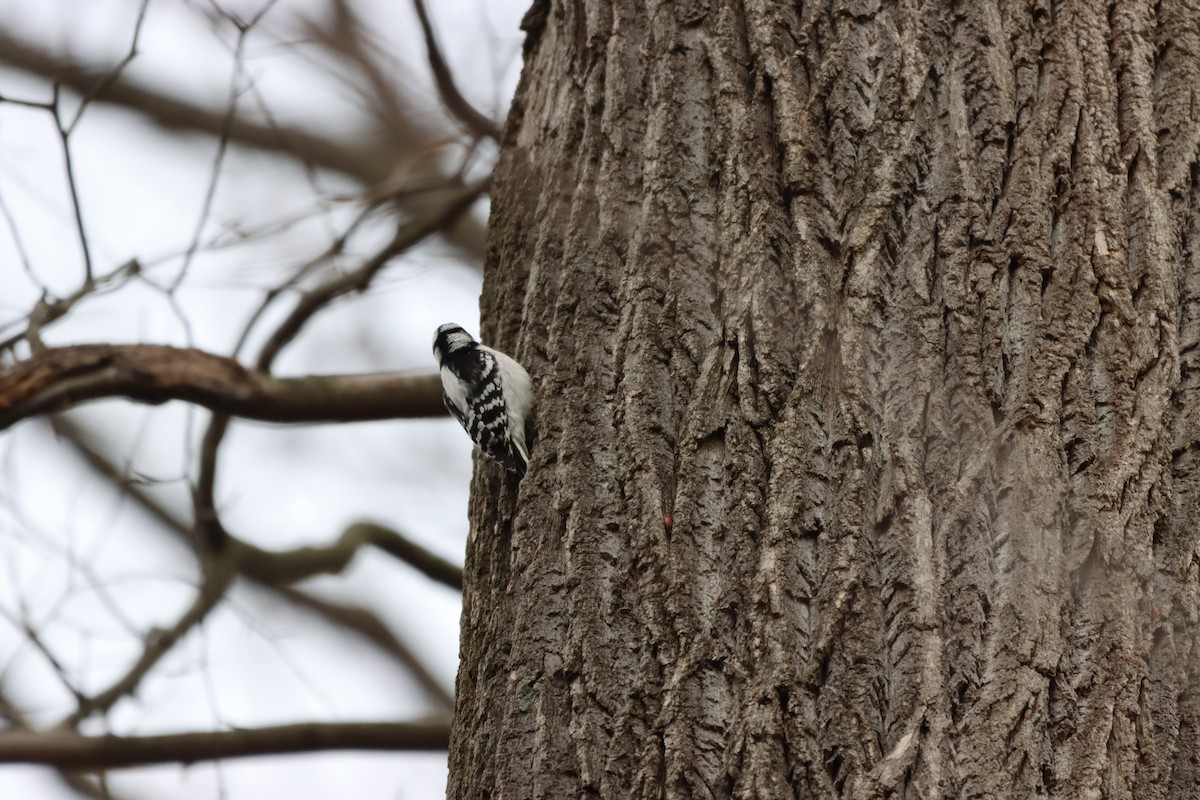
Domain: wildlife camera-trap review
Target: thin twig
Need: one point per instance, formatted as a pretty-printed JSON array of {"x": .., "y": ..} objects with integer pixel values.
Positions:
[
  {"x": 48, "y": 310},
  {"x": 359, "y": 280},
  {"x": 23, "y": 624},
  {"x": 223, "y": 138},
  {"x": 107, "y": 80},
  {"x": 370, "y": 157},
  {"x": 19, "y": 244},
  {"x": 336, "y": 247},
  {"x": 15, "y": 101},
  {"x": 64, "y": 135},
  {"x": 158, "y": 643}
]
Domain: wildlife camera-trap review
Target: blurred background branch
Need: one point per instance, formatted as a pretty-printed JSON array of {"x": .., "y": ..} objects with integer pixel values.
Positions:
[
  {"x": 395, "y": 148},
  {"x": 260, "y": 209},
  {"x": 55, "y": 379},
  {"x": 74, "y": 752}
]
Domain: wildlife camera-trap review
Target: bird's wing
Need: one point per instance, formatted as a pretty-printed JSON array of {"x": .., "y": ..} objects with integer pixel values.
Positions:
[{"x": 454, "y": 394}]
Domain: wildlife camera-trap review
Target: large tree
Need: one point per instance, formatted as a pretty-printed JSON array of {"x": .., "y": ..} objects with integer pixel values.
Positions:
[{"x": 865, "y": 337}]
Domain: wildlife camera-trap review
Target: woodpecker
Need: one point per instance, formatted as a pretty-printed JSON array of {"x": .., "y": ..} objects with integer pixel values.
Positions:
[{"x": 490, "y": 395}]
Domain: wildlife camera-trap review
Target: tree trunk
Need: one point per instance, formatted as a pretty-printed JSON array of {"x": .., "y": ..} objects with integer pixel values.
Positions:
[{"x": 866, "y": 344}]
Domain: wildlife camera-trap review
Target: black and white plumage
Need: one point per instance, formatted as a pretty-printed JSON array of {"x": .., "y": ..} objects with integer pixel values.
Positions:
[{"x": 490, "y": 394}]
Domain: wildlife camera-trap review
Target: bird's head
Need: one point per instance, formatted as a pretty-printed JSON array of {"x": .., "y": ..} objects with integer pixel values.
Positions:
[{"x": 449, "y": 339}]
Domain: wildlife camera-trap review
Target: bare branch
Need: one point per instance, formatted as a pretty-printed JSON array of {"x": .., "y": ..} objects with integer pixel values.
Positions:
[
  {"x": 223, "y": 138},
  {"x": 211, "y": 533},
  {"x": 428, "y": 199},
  {"x": 417, "y": 557},
  {"x": 359, "y": 280},
  {"x": 352, "y": 158},
  {"x": 77, "y": 781},
  {"x": 72, "y": 751},
  {"x": 290, "y": 566},
  {"x": 23, "y": 624},
  {"x": 86, "y": 445},
  {"x": 452, "y": 98},
  {"x": 158, "y": 643},
  {"x": 360, "y": 620},
  {"x": 371, "y": 72},
  {"x": 48, "y": 310},
  {"x": 370, "y": 159},
  {"x": 367, "y": 624},
  {"x": 55, "y": 379}
]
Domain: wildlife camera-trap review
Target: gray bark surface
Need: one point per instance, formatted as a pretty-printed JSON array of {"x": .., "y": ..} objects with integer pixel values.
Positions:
[{"x": 866, "y": 338}]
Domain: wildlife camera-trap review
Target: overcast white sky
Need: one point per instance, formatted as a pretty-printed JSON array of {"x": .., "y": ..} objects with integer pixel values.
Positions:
[{"x": 83, "y": 564}]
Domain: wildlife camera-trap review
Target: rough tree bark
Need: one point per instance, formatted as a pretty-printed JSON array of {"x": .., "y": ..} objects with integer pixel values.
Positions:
[{"x": 866, "y": 337}]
